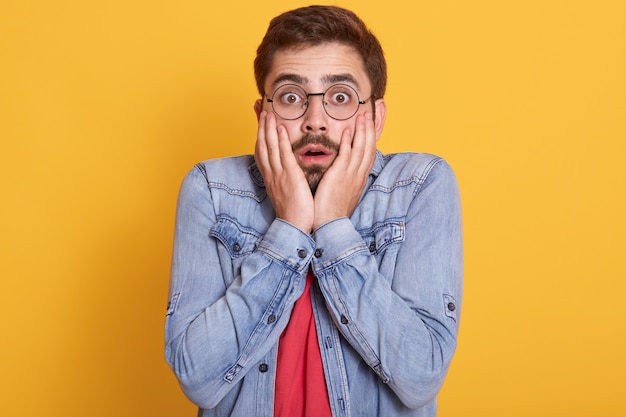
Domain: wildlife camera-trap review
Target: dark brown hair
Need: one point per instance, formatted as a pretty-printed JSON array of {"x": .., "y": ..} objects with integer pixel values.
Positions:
[{"x": 315, "y": 25}]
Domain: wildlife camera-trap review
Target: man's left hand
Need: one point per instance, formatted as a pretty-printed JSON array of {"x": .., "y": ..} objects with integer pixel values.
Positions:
[{"x": 340, "y": 188}]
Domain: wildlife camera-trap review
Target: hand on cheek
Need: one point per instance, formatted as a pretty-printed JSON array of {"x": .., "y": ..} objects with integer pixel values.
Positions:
[
  {"x": 341, "y": 186},
  {"x": 285, "y": 182}
]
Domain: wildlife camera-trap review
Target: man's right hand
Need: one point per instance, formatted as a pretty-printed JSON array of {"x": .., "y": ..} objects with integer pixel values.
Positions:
[{"x": 285, "y": 182}]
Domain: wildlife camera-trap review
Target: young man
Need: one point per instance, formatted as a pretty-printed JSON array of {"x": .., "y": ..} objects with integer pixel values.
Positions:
[{"x": 318, "y": 277}]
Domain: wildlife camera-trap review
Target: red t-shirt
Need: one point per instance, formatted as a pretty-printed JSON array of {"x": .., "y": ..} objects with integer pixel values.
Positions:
[{"x": 300, "y": 384}]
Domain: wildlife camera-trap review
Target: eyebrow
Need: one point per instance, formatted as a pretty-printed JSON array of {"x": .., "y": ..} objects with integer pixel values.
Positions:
[
  {"x": 294, "y": 78},
  {"x": 340, "y": 78},
  {"x": 327, "y": 79}
]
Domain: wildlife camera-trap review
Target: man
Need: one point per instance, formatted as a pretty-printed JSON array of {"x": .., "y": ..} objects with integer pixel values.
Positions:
[{"x": 319, "y": 277}]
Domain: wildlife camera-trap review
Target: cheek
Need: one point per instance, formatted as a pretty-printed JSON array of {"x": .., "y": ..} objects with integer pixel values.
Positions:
[
  {"x": 343, "y": 126},
  {"x": 292, "y": 129}
]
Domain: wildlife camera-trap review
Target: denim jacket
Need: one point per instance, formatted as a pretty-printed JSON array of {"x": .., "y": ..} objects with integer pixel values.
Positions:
[{"x": 386, "y": 300}]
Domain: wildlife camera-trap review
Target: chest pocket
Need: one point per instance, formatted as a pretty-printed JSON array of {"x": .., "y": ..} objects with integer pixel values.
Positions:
[
  {"x": 382, "y": 241},
  {"x": 382, "y": 235},
  {"x": 238, "y": 240}
]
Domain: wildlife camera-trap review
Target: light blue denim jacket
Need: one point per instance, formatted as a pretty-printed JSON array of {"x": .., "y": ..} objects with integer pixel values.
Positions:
[{"x": 386, "y": 303}]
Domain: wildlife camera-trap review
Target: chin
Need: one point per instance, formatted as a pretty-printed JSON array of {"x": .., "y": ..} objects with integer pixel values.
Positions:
[{"x": 313, "y": 176}]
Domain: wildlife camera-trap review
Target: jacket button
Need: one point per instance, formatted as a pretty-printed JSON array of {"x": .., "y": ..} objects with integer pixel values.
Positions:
[
  {"x": 236, "y": 247},
  {"x": 344, "y": 319},
  {"x": 372, "y": 247},
  {"x": 318, "y": 253},
  {"x": 263, "y": 367},
  {"x": 302, "y": 253},
  {"x": 271, "y": 319},
  {"x": 451, "y": 306}
]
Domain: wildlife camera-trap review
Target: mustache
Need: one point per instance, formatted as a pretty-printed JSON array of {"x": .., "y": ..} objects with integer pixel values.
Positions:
[{"x": 313, "y": 139}]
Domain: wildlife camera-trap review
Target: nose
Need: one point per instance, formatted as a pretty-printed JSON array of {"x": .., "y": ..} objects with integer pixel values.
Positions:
[{"x": 315, "y": 117}]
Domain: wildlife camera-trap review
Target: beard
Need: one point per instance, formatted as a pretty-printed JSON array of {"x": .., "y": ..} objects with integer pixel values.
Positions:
[{"x": 314, "y": 173}]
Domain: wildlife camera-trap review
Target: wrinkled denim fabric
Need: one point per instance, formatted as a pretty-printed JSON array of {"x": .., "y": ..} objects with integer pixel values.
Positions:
[{"x": 387, "y": 298}]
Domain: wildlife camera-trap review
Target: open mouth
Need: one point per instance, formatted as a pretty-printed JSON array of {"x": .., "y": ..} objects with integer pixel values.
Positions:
[{"x": 315, "y": 155}]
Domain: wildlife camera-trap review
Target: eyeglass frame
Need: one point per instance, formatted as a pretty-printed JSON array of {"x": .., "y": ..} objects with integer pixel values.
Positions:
[{"x": 307, "y": 95}]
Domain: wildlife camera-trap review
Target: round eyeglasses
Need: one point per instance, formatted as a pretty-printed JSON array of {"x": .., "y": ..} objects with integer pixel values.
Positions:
[{"x": 340, "y": 101}]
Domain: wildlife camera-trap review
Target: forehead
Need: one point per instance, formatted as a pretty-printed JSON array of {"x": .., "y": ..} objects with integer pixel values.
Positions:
[{"x": 318, "y": 66}]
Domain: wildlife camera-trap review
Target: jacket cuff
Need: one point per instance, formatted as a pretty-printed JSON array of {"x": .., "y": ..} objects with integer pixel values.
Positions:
[
  {"x": 335, "y": 241},
  {"x": 287, "y": 244}
]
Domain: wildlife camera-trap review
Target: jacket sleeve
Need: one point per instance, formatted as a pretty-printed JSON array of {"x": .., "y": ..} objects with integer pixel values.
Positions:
[
  {"x": 221, "y": 320},
  {"x": 404, "y": 326}
]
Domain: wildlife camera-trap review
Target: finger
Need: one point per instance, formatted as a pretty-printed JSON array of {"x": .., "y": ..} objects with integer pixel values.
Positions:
[
  {"x": 358, "y": 144},
  {"x": 370, "y": 134},
  {"x": 272, "y": 143},
  {"x": 342, "y": 161},
  {"x": 260, "y": 148},
  {"x": 346, "y": 143},
  {"x": 287, "y": 157},
  {"x": 369, "y": 145}
]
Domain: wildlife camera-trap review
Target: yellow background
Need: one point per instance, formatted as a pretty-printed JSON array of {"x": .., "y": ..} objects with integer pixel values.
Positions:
[{"x": 104, "y": 106}]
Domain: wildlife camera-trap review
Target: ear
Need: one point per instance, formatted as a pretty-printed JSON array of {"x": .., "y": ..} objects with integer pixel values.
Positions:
[
  {"x": 381, "y": 113},
  {"x": 258, "y": 107}
]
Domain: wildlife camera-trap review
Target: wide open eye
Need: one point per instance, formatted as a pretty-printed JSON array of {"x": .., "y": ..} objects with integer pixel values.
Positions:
[
  {"x": 290, "y": 95},
  {"x": 290, "y": 98},
  {"x": 341, "y": 95},
  {"x": 341, "y": 98}
]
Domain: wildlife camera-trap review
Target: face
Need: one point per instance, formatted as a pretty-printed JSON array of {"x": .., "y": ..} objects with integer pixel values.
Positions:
[{"x": 315, "y": 136}]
